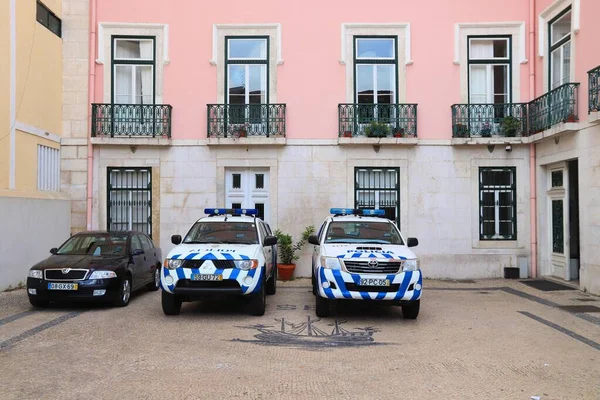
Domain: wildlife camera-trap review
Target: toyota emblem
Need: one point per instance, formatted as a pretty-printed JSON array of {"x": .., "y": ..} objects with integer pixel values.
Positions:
[
  {"x": 373, "y": 263},
  {"x": 66, "y": 271}
]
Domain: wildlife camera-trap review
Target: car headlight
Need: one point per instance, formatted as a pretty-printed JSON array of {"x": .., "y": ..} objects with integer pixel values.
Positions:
[
  {"x": 410, "y": 265},
  {"x": 103, "y": 275},
  {"x": 173, "y": 263},
  {"x": 246, "y": 264},
  {"x": 36, "y": 273},
  {"x": 331, "y": 262}
]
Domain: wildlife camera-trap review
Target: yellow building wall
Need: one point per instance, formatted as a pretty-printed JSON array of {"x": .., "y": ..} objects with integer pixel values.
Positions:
[
  {"x": 4, "y": 94},
  {"x": 27, "y": 161}
]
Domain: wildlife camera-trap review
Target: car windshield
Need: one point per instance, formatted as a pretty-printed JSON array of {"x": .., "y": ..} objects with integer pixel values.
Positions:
[
  {"x": 95, "y": 245},
  {"x": 362, "y": 232},
  {"x": 222, "y": 232}
]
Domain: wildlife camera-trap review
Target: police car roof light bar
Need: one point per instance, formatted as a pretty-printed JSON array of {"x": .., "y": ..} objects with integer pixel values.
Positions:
[
  {"x": 356, "y": 211},
  {"x": 214, "y": 212},
  {"x": 245, "y": 211}
]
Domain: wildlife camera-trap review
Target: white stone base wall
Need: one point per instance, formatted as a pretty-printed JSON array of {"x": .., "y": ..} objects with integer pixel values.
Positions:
[{"x": 438, "y": 193}]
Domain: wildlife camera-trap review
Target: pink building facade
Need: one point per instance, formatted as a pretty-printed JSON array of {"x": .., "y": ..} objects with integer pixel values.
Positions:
[{"x": 473, "y": 124}]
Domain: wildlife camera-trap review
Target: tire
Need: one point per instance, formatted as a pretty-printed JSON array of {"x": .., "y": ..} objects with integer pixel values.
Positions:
[
  {"x": 258, "y": 303},
  {"x": 171, "y": 305},
  {"x": 124, "y": 294},
  {"x": 155, "y": 284},
  {"x": 313, "y": 280},
  {"x": 323, "y": 307},
  {"x": 272, "y": 283},
  {"x": 38, "y": 303},
  {"x": 411, "y": 311}
]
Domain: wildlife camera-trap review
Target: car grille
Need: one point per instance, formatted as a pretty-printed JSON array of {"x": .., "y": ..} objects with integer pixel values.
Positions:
[
  {"x": 362, "y": 267},
  {"x": 72, "y": 275},
  {"x": 353, "y": 287},
  {"x": 219, "y": 264}
]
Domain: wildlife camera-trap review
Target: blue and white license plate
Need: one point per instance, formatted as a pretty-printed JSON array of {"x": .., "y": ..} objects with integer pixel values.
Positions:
[
  {"x": 374, "y": 282},
  {"x": 207, "y": 277},
  {"x": 62, "y": 286}
]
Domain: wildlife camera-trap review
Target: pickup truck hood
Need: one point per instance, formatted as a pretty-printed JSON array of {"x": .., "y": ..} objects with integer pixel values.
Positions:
[
  {"x": 359, "y": 250},
  {"x": 215, "y": 251}
]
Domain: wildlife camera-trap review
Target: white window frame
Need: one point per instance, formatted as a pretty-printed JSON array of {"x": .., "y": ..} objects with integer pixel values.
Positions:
[
  {"x": 489, "y": 67},
  {"x": 561, "y": 51},
  {"x": 134, "y": 68}
]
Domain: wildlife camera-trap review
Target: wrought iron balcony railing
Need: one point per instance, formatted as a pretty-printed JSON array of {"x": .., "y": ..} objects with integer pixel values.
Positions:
[
  {"x": 487, "y": 120},
  {"x": 556, "y": 106},
  {"x": 145, "y": 120},
  {"x": 594, "y": 90},
  {"x": 377, "y": 120},
  {"x": 245, "y": 120}
]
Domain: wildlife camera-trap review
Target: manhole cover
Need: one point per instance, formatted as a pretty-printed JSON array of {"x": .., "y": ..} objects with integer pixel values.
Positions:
[
  {"x": 546, "y": 286},
  {"x": 580, "y": 309}
]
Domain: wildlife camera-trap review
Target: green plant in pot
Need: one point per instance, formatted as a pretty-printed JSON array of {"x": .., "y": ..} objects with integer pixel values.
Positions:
[
  {"x": 510, "y": 126},
  {"x": 286, "y": 251},
  {"x": 377, "y": 129}
]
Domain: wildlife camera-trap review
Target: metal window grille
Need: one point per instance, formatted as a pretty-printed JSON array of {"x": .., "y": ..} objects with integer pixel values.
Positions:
[
  {"x": 130, "y": 199},
  {"x": 48, "y": 176},
  {"x": 497, "y": 203},
  {"x": 378, "y": 188}
]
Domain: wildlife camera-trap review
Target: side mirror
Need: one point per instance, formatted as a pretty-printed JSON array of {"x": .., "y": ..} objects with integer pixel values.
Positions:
[
  {"x": 412, "y": 242},
  {"x": 53, "y": 250},
  {"x": 313, "y": 239},
  {"x": 176, "y": 239},
  {"x": 137, "y": 252},
  {"x": 270, "y": 241}
]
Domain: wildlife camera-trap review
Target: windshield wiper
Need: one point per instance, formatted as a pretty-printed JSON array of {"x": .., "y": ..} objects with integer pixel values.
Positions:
[{"x": 204, "y": 242}]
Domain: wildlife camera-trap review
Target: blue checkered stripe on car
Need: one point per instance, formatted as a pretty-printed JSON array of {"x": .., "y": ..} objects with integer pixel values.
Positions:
[
  {"x": 340, "y": 278},
  {"x": 366, "y": 254},
  {"x": 208, "y": 268}
]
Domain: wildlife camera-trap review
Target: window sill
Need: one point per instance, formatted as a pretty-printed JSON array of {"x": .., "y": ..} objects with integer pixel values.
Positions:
[
  {"x": 555, "y": 131},
  {"x": 131, "y": 141},
  {"x": 496, "y": 244},
  {"x": 386, "y": 140},
  {"x": 594, "y": 117},
  {"x": 247, "y": 141},
  {"x": 498, "y": 140}
]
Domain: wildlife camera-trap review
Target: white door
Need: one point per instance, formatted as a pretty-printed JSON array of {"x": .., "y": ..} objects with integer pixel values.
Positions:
[
  {"x": 248, "y": 188},
  {"x": 558, "y": 222}
]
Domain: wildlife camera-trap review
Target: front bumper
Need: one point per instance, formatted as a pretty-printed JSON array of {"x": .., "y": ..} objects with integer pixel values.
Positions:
[
  {"x": 337, "y": 284},
  {"x": 235, "y": 281},
  {"x": 85, "y": 291}
]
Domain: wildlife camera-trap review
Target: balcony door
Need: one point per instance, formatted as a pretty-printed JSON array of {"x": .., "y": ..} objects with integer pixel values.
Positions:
[{"x": 248, "y": 188}]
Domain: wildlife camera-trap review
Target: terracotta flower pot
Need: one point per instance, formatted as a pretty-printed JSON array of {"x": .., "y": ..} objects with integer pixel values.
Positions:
[{"x": 285, "y": 271}]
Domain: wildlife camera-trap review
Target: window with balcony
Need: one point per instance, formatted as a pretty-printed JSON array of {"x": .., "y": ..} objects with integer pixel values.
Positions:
[
  {"x": 497, "y": 203},
  {"x": 560, "y": 49},
  {"x": 132, "y": 111},
  {"x": 246, "y": 111}
]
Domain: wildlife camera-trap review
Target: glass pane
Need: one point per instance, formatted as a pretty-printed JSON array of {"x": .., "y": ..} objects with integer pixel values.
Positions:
[
  {"x": 260, "y": 181},
  {"x": 555, "y": 68},
  {"x": 557, "y": 178},
  {"x": 42, "y": 15},
  {"x": 54, "y": 24},
  {"x": 258, "y": 83},
  {"x": 143, "y": 84},
  {"x": 386, "y": 87},
  {"x": 478, "y": 86},
  {"x": 247, "y": 49},
  {"x": 500, "y": 48},
  {"x": 236, "y": 205},
  {"x": 364, "y": 83},
  {"x": 566, "y": 61},
  {"x": 237, "y": 80},
  {"x": 375, "y": 48},
  {"x": 486, "y": 49},
  {"x": 560, "y": 28},
  {"x": 123, "y": 84},
  {"x": 557, "y": 227},
  {"x": 133, "y": 49},
  {"x": 261, "y": 210},
  {"x": 500, "y": 82}
]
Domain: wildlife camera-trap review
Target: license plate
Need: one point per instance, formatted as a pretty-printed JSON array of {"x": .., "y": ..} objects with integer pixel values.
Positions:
[
  {"x": 206, "y": 277},
  {"x": 374, "y": 282},
  {"x": 63, "y": 286}
]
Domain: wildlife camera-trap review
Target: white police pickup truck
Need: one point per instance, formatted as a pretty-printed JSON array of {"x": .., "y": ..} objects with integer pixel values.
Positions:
[
  {"x": 359, "y": 254},
  {"x": 229, "y": 252}
]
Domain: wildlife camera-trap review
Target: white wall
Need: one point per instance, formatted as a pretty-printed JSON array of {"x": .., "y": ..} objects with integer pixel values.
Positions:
[{"x": 29, "y": 228}]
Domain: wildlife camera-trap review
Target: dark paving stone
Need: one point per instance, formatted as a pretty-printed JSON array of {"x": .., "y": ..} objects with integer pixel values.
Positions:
[
  {"x": 580, "y": 309},
  {"x": 546, "y": 286},
  {"x": 585, "y": 299}
]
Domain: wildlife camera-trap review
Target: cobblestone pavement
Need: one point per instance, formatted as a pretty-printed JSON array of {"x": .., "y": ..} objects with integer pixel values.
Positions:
[{"x": 494, "y": 339}]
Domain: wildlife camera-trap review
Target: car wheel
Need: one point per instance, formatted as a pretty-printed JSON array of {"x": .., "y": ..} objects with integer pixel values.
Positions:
[
  {"x": 155, "y": 284},
  {"x": 411, "y": 311},
  {"x": 124, "y": 293},
  {"x": 258, "y": 304},
  {"x": 272, "y": 283},
  {"x": 313, "y": 280},
  {"x": 171, "y": 305},
  {"x": 322, "y": 307},
  {"x": 38, "y": 303}
]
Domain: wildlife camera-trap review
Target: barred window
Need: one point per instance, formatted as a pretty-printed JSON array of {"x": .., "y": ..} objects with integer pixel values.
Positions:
[
  {"x": 130, "y": 200},
  {"x": 378, "y": 188},
  {"x": 497, "y": 203}
]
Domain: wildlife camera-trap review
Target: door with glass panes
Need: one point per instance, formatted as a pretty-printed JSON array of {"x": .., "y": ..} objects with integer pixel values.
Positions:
[{"x": 248, "y": 188}]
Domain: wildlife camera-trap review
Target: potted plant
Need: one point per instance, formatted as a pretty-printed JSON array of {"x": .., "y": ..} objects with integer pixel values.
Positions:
[
  {"x": 347, "y": 134},
  {"x": 571, "y": 118},
  {"x": 486, "y": 130},
  {"x": 286, "y": 251},
  {"x": 240, "y": 131},
  {"x": 377, "y": 129},
  {"x": 509, "y": 126},
  {"x": 398, "y": 132},
  {"x": 461, "y": 131}
]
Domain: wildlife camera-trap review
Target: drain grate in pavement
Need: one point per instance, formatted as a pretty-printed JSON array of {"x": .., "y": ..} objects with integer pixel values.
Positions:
[
  {"x": 546, "y": 286},
  {"x": 580, "y": 309}
]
